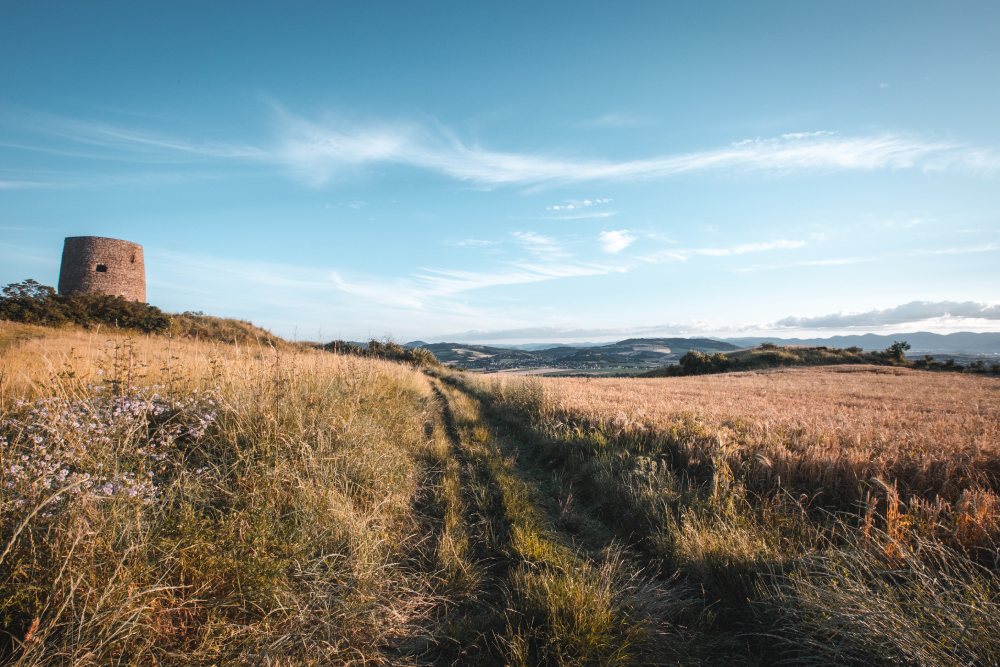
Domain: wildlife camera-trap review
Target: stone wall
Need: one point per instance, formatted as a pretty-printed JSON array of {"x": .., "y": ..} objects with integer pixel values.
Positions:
[{"x": 108, "y": 266}]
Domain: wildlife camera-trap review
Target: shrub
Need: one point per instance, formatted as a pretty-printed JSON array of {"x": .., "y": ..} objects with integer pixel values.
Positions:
[
  {"x": 897, "y": 351},
  {"x": 33, "y": 303},
  {"x": 418, "y": 356}
]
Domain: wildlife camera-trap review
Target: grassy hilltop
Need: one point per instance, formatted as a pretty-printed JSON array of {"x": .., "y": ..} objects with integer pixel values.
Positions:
[
  {"x": 225, "y": 499},
  {"x": 768, "y": 355}
]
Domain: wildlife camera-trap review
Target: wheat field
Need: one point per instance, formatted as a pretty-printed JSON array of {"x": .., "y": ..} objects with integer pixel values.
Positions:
[
  {"x": 937, "y": 434},
  {"x": 839, "y": 515}
]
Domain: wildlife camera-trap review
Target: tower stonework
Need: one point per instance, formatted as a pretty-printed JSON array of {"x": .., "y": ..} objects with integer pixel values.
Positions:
[{"x": 106, "y": 266}]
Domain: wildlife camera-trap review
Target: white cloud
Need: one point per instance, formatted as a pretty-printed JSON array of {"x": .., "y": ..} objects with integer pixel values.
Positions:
[
  {"x": 444, "y": 282},
  {"x": 615, "y": 241},
  {"x": 805, "y": 135},
  {"x": 915, "y": 311},
  {"x": 21, "y": 185},
  {"x": 683, "y": 254},
  {"x": 473, "y": 243},
  {"x": 780, "y": 244},
  {"x": 539, "y": 245},
  {"x": 584, "y": 215},
  {"x": 862, "y": 259},
  {"x": 318, "y": 151},
  {"x": 576, "y": 204}
]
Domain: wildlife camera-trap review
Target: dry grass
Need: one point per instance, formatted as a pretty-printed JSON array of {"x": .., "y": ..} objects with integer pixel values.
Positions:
[
  {"x": 828, "y": 430},
  {"x": 827, "y": 515},
  {"x": 172, "y": 501},
  {"x": 176, "y": 502}
]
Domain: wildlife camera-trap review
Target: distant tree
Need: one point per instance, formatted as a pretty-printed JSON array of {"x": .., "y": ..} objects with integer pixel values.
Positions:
[
  {"x": 32, "y": 303},
  {"x": 897, "y": 351}
]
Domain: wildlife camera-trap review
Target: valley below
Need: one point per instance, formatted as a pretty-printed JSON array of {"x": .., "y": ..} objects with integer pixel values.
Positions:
[{"x": 635, "y": 356}]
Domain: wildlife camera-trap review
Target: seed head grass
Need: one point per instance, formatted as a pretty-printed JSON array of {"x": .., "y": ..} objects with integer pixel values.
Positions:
[{"x": 181, "y": 502}]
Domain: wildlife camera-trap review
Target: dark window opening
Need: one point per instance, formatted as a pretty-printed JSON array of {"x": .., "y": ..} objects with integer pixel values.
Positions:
[
  {"x": 102, "y": 268},
  {"x": 133, "y": 259}
]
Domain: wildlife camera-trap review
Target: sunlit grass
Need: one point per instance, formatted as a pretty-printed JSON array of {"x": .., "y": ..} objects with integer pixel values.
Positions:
[
  {"x": 190, "y": 502},
  {"x": 825, "y": 515}
]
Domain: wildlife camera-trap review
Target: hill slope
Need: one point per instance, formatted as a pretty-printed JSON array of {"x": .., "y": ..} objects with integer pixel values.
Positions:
[
  {"x": 633, "y": 354},
  {"x": 922, "y": 342}
]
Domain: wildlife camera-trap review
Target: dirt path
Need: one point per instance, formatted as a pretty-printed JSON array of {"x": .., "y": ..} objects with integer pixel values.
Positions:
[{"x": 520, "y": 587}]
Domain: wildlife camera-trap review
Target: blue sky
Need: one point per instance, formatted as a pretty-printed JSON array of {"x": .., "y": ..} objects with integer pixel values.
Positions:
[{"x": 516, "y": 171}]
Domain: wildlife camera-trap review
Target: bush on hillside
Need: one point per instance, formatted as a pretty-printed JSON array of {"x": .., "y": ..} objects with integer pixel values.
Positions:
[
  {"x": 30, "y": 302},
  {"x": 897, "y": 351},
  {"x": 199, "y": 326},
  {"x": 418, "y": 356}
]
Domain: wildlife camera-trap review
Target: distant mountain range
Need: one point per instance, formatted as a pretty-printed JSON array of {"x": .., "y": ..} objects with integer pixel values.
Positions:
[
  {"x": 921, "y": 342},
  {"x": 636, "y": 355}
]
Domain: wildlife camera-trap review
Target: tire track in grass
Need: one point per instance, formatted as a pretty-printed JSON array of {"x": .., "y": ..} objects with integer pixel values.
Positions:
[
  {"x": 474, "y": 547},
  {"x": 541, "y": 600}
]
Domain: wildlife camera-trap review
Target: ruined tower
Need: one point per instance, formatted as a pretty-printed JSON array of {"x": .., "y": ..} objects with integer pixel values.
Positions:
[{"x": 107, "y": 266}]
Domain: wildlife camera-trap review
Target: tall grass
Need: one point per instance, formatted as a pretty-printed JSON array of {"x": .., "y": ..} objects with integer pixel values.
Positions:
[
  {"x": 826, "y": 517},
  {"x": 173, "y": 501},
  {"x": 181, "y": 502}
]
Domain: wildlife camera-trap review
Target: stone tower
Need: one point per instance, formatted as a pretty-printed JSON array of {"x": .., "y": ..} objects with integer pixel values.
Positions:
[{"x": 107, "y": 266}]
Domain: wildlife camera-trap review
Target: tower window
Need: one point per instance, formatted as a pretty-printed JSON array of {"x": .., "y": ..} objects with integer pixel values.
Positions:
[{"x": 102, "y": 268}]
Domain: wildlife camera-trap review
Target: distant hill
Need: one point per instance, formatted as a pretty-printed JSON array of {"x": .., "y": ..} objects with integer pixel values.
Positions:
[
  {"x": 921, "y": 342},
  {"x": 633, "y": 355},
  {"x": 769, "y": 355},
  {"x": 639, "y": 355}
]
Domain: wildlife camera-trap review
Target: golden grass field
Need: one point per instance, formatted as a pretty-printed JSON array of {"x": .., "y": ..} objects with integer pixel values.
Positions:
[
  {"x": 853, "y": 510},
  {"x": 937, "y": 433},
  {"x": 276, "y": 522},
  {"x": 173, "y": 501}
]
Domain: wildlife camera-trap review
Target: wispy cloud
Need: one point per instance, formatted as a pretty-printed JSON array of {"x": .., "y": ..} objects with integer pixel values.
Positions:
[
  {"x": 320, "y": 151},
  {"x": 744, "y": 248},
  {"x": 576, "y": 204},
  {"x": 21, "y": 185},
  {"x": 683, "y": 254},
  {"x": 539, "y": 245},
  {"x": 616, "y": 240},
  {"x": 583, "y": 215},
  {"x": 123, "y": 142},
  {"x": 792, "y": 136},
  {"x": 473, "y": 243},
  {"x": 440, "y": 282},
  {"x": 580, "y": 209},
  {"x": 915, "y": 311},
  {"x": 863, "y": 259}
]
